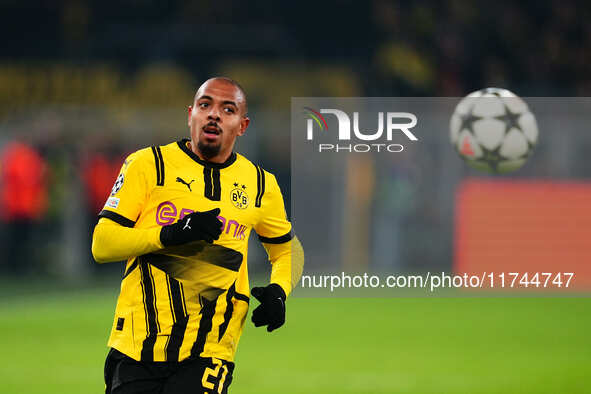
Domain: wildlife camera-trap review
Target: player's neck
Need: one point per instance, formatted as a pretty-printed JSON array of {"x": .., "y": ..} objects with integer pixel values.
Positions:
[{"x": 220, "y": 158}]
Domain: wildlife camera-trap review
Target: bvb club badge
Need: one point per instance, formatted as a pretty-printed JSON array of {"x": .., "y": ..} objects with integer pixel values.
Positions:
[{"x": 239, "y": 197}]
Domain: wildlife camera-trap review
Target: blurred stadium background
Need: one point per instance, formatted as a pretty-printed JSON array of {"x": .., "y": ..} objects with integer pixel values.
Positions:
[{"x": 83, "y": 83}]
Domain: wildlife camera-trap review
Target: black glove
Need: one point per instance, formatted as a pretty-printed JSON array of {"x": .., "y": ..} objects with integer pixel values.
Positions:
[
  {"x": 271, "y": 312},
  {"x": 196, "y": 226}
]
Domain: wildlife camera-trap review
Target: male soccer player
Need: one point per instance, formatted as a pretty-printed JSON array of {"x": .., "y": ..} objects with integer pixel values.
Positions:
[{"x": 181, "y": 215}]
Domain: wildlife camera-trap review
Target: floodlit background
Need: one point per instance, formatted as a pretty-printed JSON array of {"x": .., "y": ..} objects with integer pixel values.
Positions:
[{"x": 83, "y": 83}]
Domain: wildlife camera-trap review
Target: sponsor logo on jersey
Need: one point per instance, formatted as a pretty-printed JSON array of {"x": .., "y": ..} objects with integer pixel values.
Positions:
[
  {"x": 188, "y": 184},
  {"x": 167, "y": 213}
]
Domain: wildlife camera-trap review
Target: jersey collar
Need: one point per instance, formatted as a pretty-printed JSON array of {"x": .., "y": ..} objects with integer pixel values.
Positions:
[{"x": 183, "y": 145}]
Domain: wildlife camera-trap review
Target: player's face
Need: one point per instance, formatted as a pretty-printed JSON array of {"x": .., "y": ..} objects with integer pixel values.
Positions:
[{"x": 216, "y": 119}]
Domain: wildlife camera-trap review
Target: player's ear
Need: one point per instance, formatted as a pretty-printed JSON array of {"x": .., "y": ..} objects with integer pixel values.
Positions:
[
  {"x": 244, "y": 122},
  {"x": 189, "y": 116}
]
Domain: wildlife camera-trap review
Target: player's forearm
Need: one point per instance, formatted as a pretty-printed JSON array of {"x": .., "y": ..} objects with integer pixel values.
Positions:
[
  {"x": 113, "y": 242},
  {"x": 287, "y": 261}
]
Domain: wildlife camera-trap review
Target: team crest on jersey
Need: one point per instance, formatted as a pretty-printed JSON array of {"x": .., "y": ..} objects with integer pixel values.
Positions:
[
  {"x": 239, "y": 197},
  {"x": 118, "y": 184}
]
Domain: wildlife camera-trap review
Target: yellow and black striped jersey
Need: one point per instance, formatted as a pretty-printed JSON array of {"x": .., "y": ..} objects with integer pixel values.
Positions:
[{"x": 191, "y": 300}]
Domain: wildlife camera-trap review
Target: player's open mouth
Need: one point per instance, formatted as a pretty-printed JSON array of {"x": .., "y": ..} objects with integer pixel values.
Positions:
[{"x": 212, "y": 130}]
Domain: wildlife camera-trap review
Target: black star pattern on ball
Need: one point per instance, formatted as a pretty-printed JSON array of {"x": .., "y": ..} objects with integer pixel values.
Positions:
[
  {"x": 510, "y": 119},
  {"x": 492, "y": 158},
  {"x": 468, "y": 120}
]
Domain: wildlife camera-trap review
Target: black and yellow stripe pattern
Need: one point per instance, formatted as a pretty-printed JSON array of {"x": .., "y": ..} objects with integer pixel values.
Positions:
[
  {"x": 159, "y": 162},
  {"x": 191, "y": 300},
  {"x": 213, "y": 188},
  {"x": 260, "y": 186},
  {"x": 150, "y": 312},
  {"x": 176, "y": 298}
]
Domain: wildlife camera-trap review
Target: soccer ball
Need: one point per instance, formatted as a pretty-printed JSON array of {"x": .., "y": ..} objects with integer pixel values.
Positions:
[{"x": 493, "y": 130}]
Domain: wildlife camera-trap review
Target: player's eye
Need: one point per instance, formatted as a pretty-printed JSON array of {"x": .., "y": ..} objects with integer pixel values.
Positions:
[
  {"x": 229, "y": 110},
  {"x": 203, "y": 105}
]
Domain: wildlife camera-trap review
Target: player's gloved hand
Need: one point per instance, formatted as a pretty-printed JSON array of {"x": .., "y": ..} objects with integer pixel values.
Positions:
[
  {"x": 196, "y": 226},
  {"x": 271, "y": 311}
]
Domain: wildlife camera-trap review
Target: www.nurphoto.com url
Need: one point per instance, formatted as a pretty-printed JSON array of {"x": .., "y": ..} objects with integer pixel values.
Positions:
[{"x": 435, "y": 281}]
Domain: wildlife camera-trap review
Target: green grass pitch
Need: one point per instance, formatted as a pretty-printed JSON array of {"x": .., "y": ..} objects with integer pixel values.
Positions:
[{"x": 54, "y": 342}]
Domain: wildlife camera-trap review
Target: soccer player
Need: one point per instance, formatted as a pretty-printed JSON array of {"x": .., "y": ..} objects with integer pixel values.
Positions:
[{"x": 181, "y": 215}]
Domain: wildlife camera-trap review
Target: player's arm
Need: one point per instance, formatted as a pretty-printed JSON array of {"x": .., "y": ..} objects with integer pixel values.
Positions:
[
  {"x": 112, "y": 241},
  {"x": 287, "y": 263},
  {"x": 285, "y": 254},
  {"x": 115, "y": 237}
]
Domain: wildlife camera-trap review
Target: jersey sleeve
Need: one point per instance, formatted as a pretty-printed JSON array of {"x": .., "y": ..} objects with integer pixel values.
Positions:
[
  {"x": 112, "y": 242},
  {"x": 131, "y": 190},
  {"x": 273, "y": 226}
]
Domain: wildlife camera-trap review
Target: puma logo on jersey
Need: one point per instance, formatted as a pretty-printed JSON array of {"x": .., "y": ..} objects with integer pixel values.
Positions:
[
  {"x": 187, "y": 224},
  {"x": 181, "y": 180}
]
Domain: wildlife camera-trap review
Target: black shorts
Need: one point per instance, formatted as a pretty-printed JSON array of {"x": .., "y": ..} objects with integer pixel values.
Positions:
[{"x": 124, "y": 375}]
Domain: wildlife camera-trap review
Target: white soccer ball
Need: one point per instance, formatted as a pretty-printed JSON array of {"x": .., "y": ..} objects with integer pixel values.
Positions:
[{"x": 493, "y": 130}]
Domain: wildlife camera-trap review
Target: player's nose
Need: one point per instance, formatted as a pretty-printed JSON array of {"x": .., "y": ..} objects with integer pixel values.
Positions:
[{"x": 214, "y": 113}]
